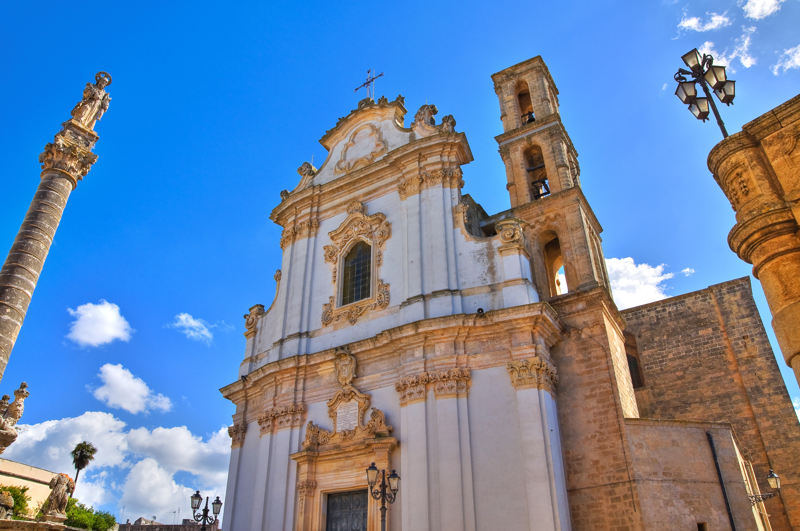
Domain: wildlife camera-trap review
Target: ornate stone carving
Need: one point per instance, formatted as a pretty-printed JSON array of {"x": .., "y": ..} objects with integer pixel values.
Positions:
[
  {"x": 6, "y": 505},
  {"x": 373, "y": 229},
  {"x": 425, "y": 115},
  {"x": 365, "y": 145},
  {"x": 11, "y": 415},
  {"x": 237, "y": 433},
  {"x": 61, "y": 486},
  {"x": 251, "y": 319},
  {"x": 68, "y": 153},
  {"x": 447, "y": 177},
  {"x": 94, "y": 103},
  {"x": 448, "y": 124},
  {"x": 512, "y": 235},
  {"x": 304, "y": 229},
  {"x": 535, "y": 372},
  {"x": 349, "y": 429},
  {"x": 305, "y": 488},
  {"x": 277, "y": 275},
  {"x": 352, "y": 312},
  {"x": 279, "y": 418},
  {"x": 446, "y": 383}
]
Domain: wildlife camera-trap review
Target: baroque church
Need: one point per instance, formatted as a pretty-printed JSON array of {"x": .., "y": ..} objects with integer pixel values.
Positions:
[{"x": 482, "y": 357}]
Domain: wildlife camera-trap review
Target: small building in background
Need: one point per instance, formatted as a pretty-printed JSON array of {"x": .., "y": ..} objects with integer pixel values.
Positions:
[{"x": 14, "y": 474}]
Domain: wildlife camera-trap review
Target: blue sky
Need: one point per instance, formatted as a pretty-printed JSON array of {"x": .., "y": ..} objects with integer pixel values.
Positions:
[{"x": 136, "y": 321}]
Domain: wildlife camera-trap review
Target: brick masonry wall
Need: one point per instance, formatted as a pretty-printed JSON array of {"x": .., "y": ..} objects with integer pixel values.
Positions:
[{"x": 705, "y": 356}]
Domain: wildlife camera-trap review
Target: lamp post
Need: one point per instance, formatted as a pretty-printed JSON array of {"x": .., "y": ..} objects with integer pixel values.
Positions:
[
  {"x": 383, "y": 492},
  {"x": 703, "y": 70},
  {"x": 203, "y": 517},
  {"x": 774, "y": 482}
]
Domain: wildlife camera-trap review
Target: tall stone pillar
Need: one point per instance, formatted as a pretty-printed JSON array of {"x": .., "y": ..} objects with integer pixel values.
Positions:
[
  {"x": 64, "y": 161},
  {"x": 758, "y": 168}
]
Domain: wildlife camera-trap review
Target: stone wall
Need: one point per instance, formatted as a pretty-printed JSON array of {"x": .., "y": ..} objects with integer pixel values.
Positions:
[{"x": 705, "y": 356}]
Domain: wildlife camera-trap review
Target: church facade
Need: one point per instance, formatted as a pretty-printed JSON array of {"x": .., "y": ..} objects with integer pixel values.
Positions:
[{"x": 482, "y": 356}]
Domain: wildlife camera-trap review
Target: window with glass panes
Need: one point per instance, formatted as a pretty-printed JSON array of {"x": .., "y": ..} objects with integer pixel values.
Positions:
[{"x": 356, "y": 273}]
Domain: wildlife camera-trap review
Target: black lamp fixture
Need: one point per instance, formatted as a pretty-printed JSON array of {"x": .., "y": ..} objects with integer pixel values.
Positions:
[
  {"x": 774, "y": 482},
  {"x": 710, "y": 76},
  {"x": 385, "y": 492},
  {"x": 202, "y": 517}
]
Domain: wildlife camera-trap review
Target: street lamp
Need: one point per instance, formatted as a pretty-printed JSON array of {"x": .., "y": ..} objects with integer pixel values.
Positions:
[
  {"x": 203, "y": 517},
  {"x": 774, "y": 482},
  {"x": 703, "y": 70},
  {"x": 381, "y": 493}
]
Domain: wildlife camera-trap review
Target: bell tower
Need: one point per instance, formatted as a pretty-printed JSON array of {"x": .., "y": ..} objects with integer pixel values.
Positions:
[{"x": 536, "y": 149}]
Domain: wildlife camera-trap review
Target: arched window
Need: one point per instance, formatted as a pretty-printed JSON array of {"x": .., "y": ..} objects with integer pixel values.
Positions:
[
  {"x": 525, "y": 105},
  {"x": 554, "y": 264},
  {"x": 537, "y": 173},
  {"x": 356, "y": 273}
]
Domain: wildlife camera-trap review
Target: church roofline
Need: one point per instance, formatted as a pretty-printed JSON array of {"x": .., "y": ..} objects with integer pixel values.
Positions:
[{"x": 327, "y": 139}]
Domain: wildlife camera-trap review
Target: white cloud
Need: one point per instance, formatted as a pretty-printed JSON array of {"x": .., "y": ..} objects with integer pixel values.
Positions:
[
  {"x": 687, "y": 271},
  {"x": 634, "y": 284},
  {"x": 758, "y": 9},
  {"x": 193, "y": 328},
  {"x": 715, "y": 21},
  {"x": 133, "y": 468},
  {"x": 741, "y": 51},
  {"x": 788, "y": 60},
  {"x": 796, "y": 404},
  {"x": 122, "y": 390},
  {"x": 98, "y": 324}
]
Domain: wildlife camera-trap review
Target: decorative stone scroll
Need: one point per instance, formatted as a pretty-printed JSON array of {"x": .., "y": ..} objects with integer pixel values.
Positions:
[
  {"x": 251, "y": 319},
  {"x": 280, "y": 418},
  {"x": 10, "y": 415},
  {"x": 365, "y": 145},
  {"x": 374, "y": 230},
  {"x": 347, "y": 409},
  {"x": 447, "y": 383},
  {"x": 512, "y": 236},
  {"x": 533, "y": 373},
  {"x": 237, "y": 433}
]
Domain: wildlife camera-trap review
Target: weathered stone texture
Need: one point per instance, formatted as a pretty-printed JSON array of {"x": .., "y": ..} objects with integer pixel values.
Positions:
[{"x": 705, "y": 356}]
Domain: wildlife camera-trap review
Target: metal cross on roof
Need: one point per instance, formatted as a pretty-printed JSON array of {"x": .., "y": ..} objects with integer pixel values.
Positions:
[{"x": 369, "y": 83}]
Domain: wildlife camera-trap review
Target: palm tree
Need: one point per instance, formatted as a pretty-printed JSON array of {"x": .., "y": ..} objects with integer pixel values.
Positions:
[{"x": 81, "y": 455}]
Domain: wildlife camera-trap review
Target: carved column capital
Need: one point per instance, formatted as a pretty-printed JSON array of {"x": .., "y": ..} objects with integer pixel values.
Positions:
[
  {"x": 70, "y": 153},
  {"x": 446, "y": 383},
  {"x": 280, "y": 418},
  {"x": 533, "y": 373},
  {"x": 237, "y": 433}
]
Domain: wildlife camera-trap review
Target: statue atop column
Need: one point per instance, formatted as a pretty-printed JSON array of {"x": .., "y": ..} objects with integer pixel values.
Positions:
[
  {"x": 10, "y": 415},
  {"x": 94, "y": 103}
]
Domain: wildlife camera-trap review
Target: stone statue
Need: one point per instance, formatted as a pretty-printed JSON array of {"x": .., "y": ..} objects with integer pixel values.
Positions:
[
  {"x": 11, "y": 415},
  {"x": 6, "y": 505},
  {"x": 425, "y": 115},
  {"x": 61, "y": 485},
  {"x": 94, "y": 103},
  {"x": 448, "y": 124}
]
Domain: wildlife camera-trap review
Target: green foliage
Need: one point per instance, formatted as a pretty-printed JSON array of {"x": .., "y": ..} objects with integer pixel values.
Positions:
[
  {"x": 21, "y": 499},
  {"x": 78, "y": 515}
]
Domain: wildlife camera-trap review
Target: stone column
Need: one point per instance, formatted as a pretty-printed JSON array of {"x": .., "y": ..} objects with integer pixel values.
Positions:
[
  {"x": 64, "y": 161},
  {"x": 757, "y": 169}
]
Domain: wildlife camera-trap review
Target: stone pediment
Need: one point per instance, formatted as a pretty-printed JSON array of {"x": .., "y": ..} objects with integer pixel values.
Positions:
[{"x": 362, "y": 137}]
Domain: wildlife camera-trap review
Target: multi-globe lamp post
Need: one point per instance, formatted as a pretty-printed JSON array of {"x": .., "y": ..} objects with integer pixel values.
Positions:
[
  {"x": 202, "y": 517},
  {"x": 702, "y": 70},
  {"x": 385, "y": 492}
]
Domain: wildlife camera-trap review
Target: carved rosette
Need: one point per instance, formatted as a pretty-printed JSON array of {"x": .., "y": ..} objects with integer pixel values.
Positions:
[
  {"x": 447, "y": 383},
  {"x": 237, "y": 433},
  {"x": 533, "y": 373},
  {"x": 280, "y": 418},
  {"x": 303, "y": 229},
  {"x": 251, "y": 320},
  {"x": 375, "y": 230}
]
